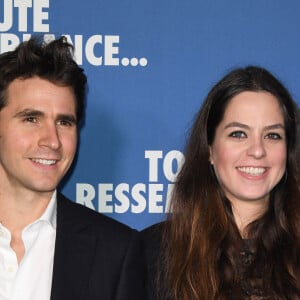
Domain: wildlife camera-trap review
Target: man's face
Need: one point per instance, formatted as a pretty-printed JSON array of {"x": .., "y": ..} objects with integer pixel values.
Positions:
[{"x": 38, "y": 135}]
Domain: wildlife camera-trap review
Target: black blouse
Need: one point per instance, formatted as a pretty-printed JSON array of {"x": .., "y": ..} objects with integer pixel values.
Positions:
[{"x": 251, "y": 287}]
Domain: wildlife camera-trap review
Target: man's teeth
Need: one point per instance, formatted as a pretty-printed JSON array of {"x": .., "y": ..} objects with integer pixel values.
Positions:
[
  {"x": 252, "y": 170},
  {"x": 45, "y": 161}
]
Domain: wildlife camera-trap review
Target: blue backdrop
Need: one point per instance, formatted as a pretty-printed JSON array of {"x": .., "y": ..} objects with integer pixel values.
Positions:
[{"x": 150, "y": 64}]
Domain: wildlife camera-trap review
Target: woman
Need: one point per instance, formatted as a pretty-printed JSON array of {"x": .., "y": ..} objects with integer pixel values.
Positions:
[{"x": 234, "y": 231}]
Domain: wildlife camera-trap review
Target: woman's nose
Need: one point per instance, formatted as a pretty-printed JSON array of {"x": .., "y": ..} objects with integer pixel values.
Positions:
[{"x": 257, "y": 148}]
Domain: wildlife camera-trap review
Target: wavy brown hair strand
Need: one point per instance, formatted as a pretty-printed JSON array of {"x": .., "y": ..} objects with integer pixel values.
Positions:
[{"x": 201, "y": 240}]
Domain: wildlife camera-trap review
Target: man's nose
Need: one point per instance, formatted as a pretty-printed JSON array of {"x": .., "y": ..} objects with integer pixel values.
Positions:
[{"x": 50, "y": 137}]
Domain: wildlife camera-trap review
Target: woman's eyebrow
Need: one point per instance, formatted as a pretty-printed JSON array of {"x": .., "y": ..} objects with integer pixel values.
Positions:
[
  {"x": 268, "y": 127},
  {"x": 237, "y": 124}
]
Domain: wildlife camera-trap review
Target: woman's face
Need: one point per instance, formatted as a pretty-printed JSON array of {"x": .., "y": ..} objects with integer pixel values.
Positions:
[{"x": 249, "y": 149}]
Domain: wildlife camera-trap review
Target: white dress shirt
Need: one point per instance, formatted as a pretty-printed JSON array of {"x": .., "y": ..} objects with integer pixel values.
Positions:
[{"x": 32, "y": 278}]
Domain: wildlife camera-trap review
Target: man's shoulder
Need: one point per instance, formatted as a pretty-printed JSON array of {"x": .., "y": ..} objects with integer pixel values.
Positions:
[
  {"x": 154, "y": 231},
  {"x": 151, "y": 238},
  {"x": 79, "y": 216}
]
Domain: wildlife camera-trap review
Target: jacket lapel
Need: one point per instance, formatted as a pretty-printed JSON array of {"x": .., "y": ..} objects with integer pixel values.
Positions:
[{"x": 74, "y": 253}]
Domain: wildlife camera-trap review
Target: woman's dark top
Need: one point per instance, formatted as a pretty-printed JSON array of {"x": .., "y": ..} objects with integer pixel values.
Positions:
[
  {"x": 152, "y": 238},
  {"x": 252, "y": 288}
]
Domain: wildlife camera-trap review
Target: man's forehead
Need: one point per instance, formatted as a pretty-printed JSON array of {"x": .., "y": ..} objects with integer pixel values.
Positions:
[{"x": 35, "y": 90}]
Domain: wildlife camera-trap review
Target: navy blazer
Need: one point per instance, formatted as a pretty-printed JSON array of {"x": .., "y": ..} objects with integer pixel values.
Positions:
[
  {"x": 151, "y": 238},
  {"x": 96, "y": 257}
]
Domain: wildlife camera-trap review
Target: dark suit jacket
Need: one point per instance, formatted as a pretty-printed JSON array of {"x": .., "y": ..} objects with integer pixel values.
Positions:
[
  {"x": 96, "y": 257},
  {"x": 151, "y": 238}
]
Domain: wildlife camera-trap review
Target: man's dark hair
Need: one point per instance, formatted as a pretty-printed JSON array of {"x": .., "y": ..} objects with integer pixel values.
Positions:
[{"x": 51, "y": 61}]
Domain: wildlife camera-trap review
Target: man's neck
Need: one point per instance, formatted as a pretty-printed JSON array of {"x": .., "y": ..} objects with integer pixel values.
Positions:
[{"x": 18, "y": 209}]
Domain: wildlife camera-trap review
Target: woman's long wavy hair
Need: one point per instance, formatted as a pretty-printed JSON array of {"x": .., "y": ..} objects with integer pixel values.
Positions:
[{"x": 201, "y": 240}]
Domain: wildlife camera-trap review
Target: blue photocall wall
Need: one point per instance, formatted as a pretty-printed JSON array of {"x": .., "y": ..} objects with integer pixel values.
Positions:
[{"x": 150, "y": 64}]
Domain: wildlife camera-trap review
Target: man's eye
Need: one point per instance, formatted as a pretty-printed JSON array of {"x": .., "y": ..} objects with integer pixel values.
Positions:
[
  {"x": 274, "y": 136},
  {"x": 238, "y": 134},
  {"x": 30, "y": 119},
  {"x": 65, "y": 123}
]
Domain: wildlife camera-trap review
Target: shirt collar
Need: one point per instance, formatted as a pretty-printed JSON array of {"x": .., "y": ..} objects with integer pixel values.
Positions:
[{"x": 49, "y": 214}]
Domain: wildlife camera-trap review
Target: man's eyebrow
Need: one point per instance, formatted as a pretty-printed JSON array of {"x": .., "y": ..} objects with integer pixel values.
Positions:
[
  {"x": 37, "y": 113},
  {"x": 67, "y": 117},
  {"x": 29, "y": 112}
]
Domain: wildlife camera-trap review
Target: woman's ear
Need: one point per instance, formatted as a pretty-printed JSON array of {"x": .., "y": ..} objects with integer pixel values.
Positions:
[{"x": 211, "y": 156}]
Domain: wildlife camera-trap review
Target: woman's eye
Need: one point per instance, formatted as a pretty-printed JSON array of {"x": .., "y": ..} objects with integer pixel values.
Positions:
[
  {"x": 238, "y": 134},
  {"x": 274, "y": 136}
]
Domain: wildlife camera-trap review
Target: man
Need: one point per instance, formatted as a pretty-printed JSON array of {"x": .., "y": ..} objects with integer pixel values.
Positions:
[{"x": 50, "y": 247}]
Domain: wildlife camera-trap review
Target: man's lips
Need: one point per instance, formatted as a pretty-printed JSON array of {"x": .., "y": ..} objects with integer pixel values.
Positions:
[{"x": 43, "y": 161}]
